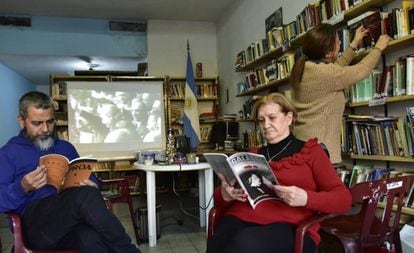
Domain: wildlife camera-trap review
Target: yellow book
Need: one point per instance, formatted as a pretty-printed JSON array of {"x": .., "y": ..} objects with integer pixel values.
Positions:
[{"x": 406, "y": 4}]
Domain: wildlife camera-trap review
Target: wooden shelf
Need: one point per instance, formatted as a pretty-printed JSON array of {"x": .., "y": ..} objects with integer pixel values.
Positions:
[
  {"x": 400, "y": 43},
  {"x": 61, "y": 123},
  {"x": 198, "y": 99},
  {"x": 245, "y": 120},
  {"x": 60, "y": 99},
  {"x": 262, "y": 87},
  {"x": 261, "y": 60},
  {"x": 363, "y": 7},
  {"x": 383, "y": 158},
  {"x": 202, "y": 79},
  {"x": 386, "y": 100},
  {"x": 404, "y": 210}
]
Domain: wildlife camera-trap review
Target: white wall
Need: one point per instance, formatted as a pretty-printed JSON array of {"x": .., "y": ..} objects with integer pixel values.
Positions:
[{"x": 167, "y": 47}]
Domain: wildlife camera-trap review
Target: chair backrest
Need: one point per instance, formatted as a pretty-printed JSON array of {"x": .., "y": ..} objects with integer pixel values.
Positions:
[{"x": 379, "y": 224}]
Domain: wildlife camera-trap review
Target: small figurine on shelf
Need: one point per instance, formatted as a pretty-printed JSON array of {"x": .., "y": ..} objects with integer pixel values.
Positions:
[
  {"x": 170, "y": 147},
  {"x": 199, "y": 70}
]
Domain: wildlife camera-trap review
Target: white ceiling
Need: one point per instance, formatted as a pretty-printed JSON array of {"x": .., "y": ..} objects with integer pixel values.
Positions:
[{"x": 37, "y": 68}]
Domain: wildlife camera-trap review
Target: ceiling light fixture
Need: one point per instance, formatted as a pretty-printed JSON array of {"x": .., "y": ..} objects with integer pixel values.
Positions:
[{"x": 92, "y": 66}]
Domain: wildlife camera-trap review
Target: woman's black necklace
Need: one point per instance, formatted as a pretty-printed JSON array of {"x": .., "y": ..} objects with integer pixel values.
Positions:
[{"x": 278, "y": 153}]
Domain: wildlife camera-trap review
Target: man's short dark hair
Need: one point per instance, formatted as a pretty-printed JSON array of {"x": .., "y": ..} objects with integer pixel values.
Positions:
[{"x": 38, "y": 100}]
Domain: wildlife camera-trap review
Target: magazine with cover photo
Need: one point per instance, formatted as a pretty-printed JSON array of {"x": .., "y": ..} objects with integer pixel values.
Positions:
[{"x": 252, "y": 172}]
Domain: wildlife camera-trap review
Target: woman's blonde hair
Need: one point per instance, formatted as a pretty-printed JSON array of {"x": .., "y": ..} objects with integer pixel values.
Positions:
[{"x": 276, "y": 98}]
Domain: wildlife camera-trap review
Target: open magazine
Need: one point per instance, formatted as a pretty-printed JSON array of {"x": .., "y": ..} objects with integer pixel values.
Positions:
[
  {"x": 252, "y": 172},
  {"x": 62, "y": 173}
]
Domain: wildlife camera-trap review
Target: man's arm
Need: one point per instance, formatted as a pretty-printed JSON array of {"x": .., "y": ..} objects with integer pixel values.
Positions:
[{"x": 12, "y": 194}]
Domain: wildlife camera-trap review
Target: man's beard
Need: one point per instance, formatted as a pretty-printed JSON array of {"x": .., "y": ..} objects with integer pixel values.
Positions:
[
  {"x": 41, "y": 143},
  {"x": 44, "y": 144}
]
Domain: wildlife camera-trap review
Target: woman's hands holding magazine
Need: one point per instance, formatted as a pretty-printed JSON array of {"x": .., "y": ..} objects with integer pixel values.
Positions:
[
  {"x": 291, "y": 195},
  {"x": 230, "y": 193}
]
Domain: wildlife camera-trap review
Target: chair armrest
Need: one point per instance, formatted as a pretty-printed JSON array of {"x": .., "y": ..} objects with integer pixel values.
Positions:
[
  {"x": 214, "y": 216},
  {"x": 303, "y": 227},
  {"x": 17, "y": 231}
]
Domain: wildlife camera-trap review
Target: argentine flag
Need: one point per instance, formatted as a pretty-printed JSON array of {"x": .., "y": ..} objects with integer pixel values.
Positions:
[{"x": 191, "y": 123}]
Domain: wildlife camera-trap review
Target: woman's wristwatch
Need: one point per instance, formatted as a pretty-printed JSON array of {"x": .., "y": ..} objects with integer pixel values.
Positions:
[{"x": 353, "y": 48}]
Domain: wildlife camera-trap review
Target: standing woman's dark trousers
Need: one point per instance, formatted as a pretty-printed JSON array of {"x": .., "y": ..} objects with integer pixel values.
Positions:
[
  {"x": 233, "y": 235},
  {"x": 76, "y": 218}
]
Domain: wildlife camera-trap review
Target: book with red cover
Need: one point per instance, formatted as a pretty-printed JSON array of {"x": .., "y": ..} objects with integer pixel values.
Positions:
[
  {"x": 373, "y": 24},
  {"x": 371, "y": 20}
]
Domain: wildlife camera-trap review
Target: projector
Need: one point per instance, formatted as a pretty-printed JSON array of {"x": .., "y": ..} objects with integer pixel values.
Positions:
[{"x": 159, "y": 155}]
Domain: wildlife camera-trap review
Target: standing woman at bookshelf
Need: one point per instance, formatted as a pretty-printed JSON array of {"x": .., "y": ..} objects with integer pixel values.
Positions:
[
  {"x": 308, "y": 185},
  {"x": 319, "y": 78}
]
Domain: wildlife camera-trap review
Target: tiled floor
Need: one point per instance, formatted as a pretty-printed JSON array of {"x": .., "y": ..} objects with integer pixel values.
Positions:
[{"x": 185, "y": 238}]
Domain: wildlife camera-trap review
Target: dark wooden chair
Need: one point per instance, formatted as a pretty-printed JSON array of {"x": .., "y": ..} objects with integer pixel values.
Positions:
[{"x": 369, "y": 228}]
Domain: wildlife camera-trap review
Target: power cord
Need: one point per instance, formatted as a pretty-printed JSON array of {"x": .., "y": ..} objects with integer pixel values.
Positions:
[
  {"x": 179, "y": 196},
  {"x": 181, "y": 199}
]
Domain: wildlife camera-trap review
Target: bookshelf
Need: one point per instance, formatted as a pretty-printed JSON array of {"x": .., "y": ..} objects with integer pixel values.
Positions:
[
  {"x": 400, "y": 44},
  {"x": 207, "y": 102}
]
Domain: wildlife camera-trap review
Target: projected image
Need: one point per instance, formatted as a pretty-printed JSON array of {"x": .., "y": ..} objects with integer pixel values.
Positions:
[
  {"x": 111, "y": 117},
  {"x": 128, "y": 116}
]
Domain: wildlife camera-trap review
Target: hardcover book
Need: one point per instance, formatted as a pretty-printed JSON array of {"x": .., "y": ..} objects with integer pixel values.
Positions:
[
  {"x": 371, "y": 20},
  {"x": 251, "y": 171},
  {"x": 62, "y": 173}
]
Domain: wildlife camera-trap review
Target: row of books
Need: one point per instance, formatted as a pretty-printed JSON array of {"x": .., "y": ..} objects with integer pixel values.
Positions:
[
  {"x": 378, "y": 136},
  {"x": 205, "y": 133},
  {"x": 248, "y": 108},
  {"x": 362, "y": 173},
  {"x": 63, "y": 134},
  {"x": 397, "y": 23},
  {"x": 176, "y": 113},
  {"x": 58, "y": 89},
  {"x": 252, "y": 139},
  {"x": 254, "y": 51},
  {"x": 204, "y": 90},
  {"x": 277, "y": 69},
  {"x": 396, "y": 80},
  {"x": 280, "y": 68},
  {"x": 279, "y": 35},
  {"x": 252, "y": 80}
]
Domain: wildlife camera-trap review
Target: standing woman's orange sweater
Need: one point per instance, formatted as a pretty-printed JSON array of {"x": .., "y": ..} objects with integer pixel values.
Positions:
[{"x": 320, "y": 101}]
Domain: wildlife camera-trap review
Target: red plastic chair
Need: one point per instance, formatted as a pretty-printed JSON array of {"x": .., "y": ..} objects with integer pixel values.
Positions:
[
  {"x": 368, "y": 229},
  {"x": 119, "y": 193},
  {"x": 216, "y": 214},
  {"x": 19, "y": 245}
]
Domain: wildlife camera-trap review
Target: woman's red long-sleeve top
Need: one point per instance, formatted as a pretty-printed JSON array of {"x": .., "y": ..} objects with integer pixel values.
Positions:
[{"x": 308, "y": 169}]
